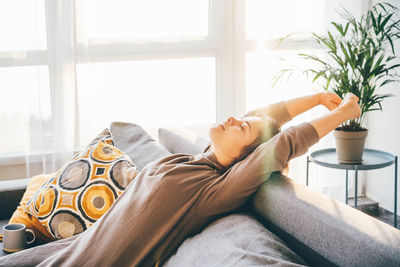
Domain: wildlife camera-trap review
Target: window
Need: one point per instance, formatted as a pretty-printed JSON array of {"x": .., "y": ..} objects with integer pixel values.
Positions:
[
  {"x": 267, "y": 21},
  {"x": 140, "y": 57},
  {"x": 25, "y": 107},
  {"x": 69, "y": 68},
  {"x": 151, "y": 93},
  {"x": 23, "y": 26},
  {"x": 143, "y": 20}
]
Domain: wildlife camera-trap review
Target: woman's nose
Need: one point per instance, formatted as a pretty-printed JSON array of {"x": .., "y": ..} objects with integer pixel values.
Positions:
[{"x": 231, "y": 120}]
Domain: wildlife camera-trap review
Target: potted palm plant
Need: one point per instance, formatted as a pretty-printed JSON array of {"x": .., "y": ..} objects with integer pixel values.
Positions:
[{"x": 359, "y": 59}]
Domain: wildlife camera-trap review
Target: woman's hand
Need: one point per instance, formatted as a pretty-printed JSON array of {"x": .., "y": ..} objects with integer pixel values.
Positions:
[
  {"x": 350, "y": 107},
  {"x": 329, "y": 100},
  {"x": 347, "y": 109}
]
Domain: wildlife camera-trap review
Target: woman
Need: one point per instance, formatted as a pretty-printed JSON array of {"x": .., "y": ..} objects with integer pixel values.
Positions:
[{"x": 176, "y": 196}]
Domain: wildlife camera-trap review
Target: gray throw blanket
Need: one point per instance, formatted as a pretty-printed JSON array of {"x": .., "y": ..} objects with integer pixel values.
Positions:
[{"x": 234, "y": 240}]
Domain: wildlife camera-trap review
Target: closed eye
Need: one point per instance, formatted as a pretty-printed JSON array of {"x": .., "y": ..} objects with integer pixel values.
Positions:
[
  {"x": 243, "y": 128},
  {"x": 248, "y": 124}
]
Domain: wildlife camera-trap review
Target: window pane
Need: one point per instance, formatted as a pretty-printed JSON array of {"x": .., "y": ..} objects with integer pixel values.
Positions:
[
  {"x": 151, "y": 18},
  {"x": 25, "y": 107},
  {"x": 262, "y": 66},
  {"x": 22, "y": 25},
  {"x": 153, "y": 93},
  {"x": 275, "y": 19}
]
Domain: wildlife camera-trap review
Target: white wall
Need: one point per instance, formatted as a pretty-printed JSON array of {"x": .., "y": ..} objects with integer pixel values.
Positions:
[{"x": 384, "y": 134}]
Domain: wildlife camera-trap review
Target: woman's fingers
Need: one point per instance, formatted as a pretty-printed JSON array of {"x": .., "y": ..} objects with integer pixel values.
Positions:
[
  {"x": 353, "y": 95},
  {"x": 336, "y": 98},
  {"x": 350, "y": 106},
  {"x": 330, "y": 100},
  {"x": 332, "y": 105}
]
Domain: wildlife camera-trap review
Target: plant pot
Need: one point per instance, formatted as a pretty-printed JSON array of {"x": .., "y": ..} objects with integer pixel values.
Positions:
[{"x": 350, "y": 145}]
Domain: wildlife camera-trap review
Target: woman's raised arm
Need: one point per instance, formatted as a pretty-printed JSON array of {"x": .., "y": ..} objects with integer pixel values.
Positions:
[
  {"x": 299, "y": 105},
  {"x": 284, "y": 111}
]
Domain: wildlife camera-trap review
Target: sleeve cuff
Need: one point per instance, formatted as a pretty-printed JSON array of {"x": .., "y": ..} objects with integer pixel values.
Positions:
[{"x": 309, "y": 132}]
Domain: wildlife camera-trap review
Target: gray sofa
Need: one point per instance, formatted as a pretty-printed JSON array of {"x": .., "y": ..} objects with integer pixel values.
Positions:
[{"x": 283, "y": 223}]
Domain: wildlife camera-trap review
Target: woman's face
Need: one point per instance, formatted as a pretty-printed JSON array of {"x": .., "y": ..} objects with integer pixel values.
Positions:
[{"x": 231, "y": 137}]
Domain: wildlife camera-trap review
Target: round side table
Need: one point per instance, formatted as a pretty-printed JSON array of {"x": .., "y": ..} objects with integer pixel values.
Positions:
[{"x": 372, "y": 159}]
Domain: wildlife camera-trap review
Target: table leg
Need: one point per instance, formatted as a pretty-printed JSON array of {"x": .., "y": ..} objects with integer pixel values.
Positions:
[
  {"x": 347, "y": 182},
  {"x": 355, "y": 190},
  {"x": 308, "y": 163},
  {"x": 395, "y": 192}
]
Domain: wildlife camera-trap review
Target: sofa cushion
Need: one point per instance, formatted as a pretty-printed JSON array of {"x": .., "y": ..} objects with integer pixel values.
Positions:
[
  {"x": 137, "y": 143},
  {"x": 83, "y": 189},
  {"x": 181, "y": 140},
  {"x": 234, "y": 240}
]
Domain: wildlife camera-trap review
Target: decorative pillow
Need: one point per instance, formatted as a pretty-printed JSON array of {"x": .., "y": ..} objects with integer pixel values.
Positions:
[
  {"x": 31, "y": 222},
  {"x": 83, "y": 189}
]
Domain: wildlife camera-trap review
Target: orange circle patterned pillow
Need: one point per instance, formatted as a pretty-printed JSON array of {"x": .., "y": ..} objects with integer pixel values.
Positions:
[{"x": 84, "y": 189}]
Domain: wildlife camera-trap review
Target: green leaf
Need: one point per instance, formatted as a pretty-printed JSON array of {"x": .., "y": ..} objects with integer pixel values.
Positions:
[
  {"x": 382, "y": 6},
  {"x": 387, "y": 81},
  {"x": 324, "y": 40},
  {"x": 386, "y": 20},
  {"x": 372, "y": 18},
  {"x": 378, "y": 62},
  {"x": 379, "y": 20},
  {"x": 347, "y": 27},
  {"x": 306, "y": 56},
  {"x": 280, "y": 40},
  {"x": 338, "y": 27},
  {"x": 318, "y": 75},
  {"x": 352, "y": 55},
  {"x": 391, "y": 44},
  {"x": 328, "y": 81},
  {"x": 345, "y": 52},
  {"x": 333, "y": 43},
  {"x": 393, "y": 67},
  {"x": 389, "y": 58}
]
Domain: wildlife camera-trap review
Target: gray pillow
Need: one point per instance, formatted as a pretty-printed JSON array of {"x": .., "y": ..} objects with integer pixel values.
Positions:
[
  {"x": 234, "y": 240},
  {"x": 133, "y": 140},
  {"x": 182, "y": 140}
]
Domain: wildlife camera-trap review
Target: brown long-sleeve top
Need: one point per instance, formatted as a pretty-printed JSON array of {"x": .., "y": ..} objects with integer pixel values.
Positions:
[{"x": 175, "y": 197}]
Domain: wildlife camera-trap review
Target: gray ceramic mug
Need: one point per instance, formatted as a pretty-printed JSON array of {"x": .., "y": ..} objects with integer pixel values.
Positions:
[{"x": 14, "y": 237}]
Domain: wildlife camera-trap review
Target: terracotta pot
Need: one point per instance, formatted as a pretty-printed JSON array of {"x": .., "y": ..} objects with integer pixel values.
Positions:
[{"x": 350, "y": 145}]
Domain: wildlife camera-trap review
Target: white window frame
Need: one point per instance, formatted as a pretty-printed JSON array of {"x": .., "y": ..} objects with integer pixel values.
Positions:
[{"x": 218, "y": 44}]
